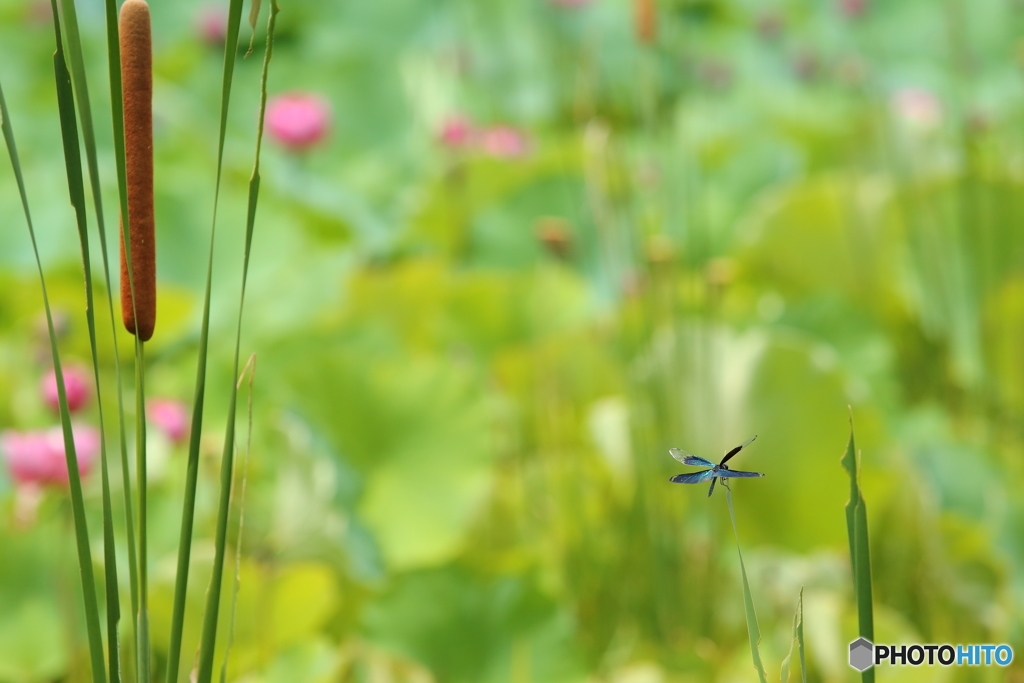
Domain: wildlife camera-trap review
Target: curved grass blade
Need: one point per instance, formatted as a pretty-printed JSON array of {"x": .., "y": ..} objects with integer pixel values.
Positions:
[
  {"x": 71, "y": 457},
  {"x": 76, "y": 191},
  {"x": 192, "y": 471},
  {"x": 753, "y": 631},
  {"x": 250, "y": 367},
  {"x": 209, "y": 637},
  {"x": 76, "y": 59},
  {"x": 860, "y": 559},
  {"x": 798, "y": 639}
]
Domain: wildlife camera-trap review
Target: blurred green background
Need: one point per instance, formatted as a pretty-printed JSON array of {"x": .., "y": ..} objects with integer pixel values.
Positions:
[{"x": 538, "y": 247}]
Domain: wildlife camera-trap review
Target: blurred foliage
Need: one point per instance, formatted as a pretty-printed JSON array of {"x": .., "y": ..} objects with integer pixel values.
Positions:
[{"x": 471, "y": 365}]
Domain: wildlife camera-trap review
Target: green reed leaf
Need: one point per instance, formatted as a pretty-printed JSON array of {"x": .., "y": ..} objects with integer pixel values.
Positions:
[
  {"x": 753, "y": 632},
  {"x": 798, "y": 639},
  {"x": 192, "y": 471},
  {"x": 92, "y": 620},
  {"x": 860, "y": 560},
  {"x": 209, "y": 637},
  {"x": 250, "y": 368},
  {"x": 77, "y": 191}
]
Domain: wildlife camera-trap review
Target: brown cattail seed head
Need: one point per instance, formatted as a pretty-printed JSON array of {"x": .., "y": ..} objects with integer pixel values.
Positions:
[
  {"x": 137, "y": 81},
  {"x": 646, "y": 20}
]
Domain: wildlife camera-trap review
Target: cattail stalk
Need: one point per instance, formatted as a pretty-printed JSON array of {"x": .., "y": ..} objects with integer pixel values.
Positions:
[
  {"x": 137, "y": 78},
  {"x": 646, "y": 17}
]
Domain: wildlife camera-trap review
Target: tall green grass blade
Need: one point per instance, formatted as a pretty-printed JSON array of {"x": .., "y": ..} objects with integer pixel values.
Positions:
[
  {"x": 76, "y": 189},
  {"x": 860, "y": 560},
  {"x": 753, "y": 631},
  {"x": 209, "y": 638},
  {"x": 80, "y": 84},
  {"x": 250, "y": 367},
  {"x": 116, "y": 102},
  {"x": 192, "y": 472},
  {"x": 117, "y": 116},
  {"x": 798, "y": 639},
  {"x": 76, "y": 61},
  {"x": 71, "y": 457}
]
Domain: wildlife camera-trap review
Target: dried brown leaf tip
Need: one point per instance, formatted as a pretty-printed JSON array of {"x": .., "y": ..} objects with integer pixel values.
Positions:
[{"x": 137, "y": 81}]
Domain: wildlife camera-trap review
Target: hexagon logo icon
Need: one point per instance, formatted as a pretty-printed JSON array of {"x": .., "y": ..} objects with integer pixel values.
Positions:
[{"x": 861, "y": 651}]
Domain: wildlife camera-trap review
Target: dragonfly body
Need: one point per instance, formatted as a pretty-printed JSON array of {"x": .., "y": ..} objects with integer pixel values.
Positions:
[{"x": 716, "y": 472}]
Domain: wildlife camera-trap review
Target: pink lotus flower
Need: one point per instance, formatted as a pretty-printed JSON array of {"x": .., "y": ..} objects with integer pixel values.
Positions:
[
  {"x": 919, "y": 108},
  {"x": 853, "y": 8},
  {"x": 456, "y": 132},
  {"x": 770, "y": 25},
  {"x": 715, "y": 73},
  {"x": 806, "y": 65},
  {"x": 38, "y": 458},
  {"x": 503, "y": 141},
  {"x": 170, "y": 417},
  {"x": 76, "y": 386},
  {"x": 298, "y": 121},
  {"x": 212, "y": 24}
]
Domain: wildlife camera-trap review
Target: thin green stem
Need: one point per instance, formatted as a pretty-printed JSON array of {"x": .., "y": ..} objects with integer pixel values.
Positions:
[
  {"x": 250, "y": 367},
  {"x": 210, "y": 618},
  {"x": 142, "y": 486},
  {"x": 192, "y": 468}
]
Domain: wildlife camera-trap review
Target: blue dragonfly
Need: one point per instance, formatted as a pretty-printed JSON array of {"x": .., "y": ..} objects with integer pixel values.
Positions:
[{"x": 719, "y": 471}]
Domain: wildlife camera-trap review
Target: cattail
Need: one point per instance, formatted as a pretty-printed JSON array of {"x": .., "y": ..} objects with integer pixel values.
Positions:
[
  {"x": 646, "y": 20},
  {"x": 137, "y": 80}
]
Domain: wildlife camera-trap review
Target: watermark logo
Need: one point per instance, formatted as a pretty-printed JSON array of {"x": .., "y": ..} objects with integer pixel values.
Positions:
[
  {"x": 864, "y": 654},
  {"x": 861, "y": 654}
]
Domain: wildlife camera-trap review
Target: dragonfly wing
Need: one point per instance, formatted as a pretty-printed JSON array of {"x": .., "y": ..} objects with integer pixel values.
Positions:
[
  {"x": 689, "y": 458},
  {"x": 692, "y": 477},
  {"x": 712, "y": 489},
  {"x": 738, "y": 473},
  {"x": 737, "y": 449}
]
